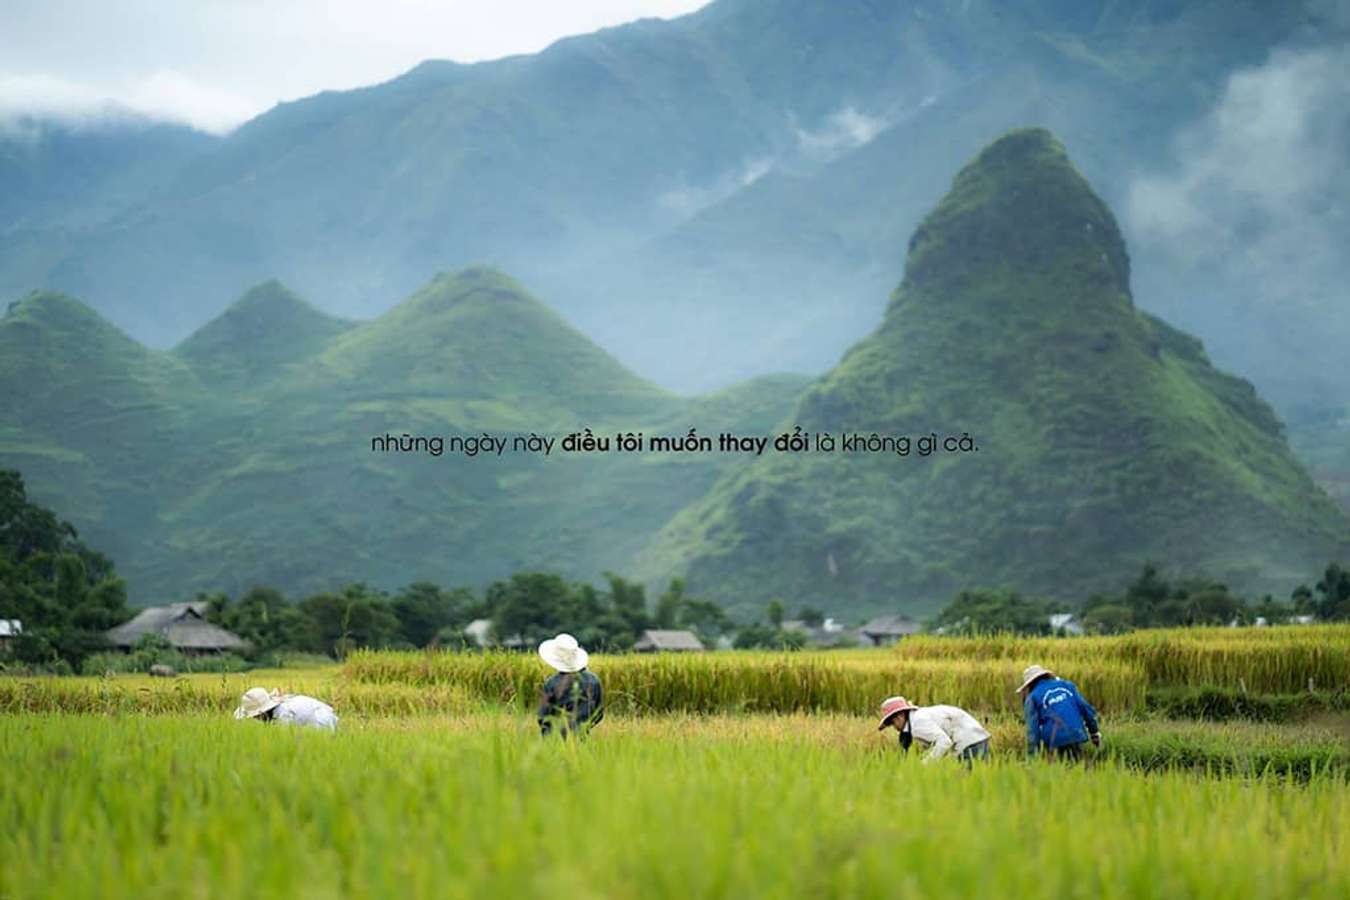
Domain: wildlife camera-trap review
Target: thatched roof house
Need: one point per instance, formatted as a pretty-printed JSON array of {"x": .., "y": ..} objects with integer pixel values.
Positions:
[
  {"x": 184, "y": 625},
  {"x": 885, "y": 630},
  {"x": 659, "y": 641}
]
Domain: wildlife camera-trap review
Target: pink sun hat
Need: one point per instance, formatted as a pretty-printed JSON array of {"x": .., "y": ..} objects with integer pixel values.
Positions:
[{"x": 892, "y": 706}]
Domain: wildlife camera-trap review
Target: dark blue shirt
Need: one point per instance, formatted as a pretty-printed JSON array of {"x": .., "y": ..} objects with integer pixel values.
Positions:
[
  {"x": 573, "y": 701},
  {"x": 1057, "y": 715}
]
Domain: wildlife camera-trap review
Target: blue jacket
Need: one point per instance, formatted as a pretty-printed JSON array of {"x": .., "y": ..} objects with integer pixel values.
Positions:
[{"x": 1057, "y": 715}]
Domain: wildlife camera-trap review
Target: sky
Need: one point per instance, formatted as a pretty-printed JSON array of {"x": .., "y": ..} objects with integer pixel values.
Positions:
[{"x": 216, "y": 63}]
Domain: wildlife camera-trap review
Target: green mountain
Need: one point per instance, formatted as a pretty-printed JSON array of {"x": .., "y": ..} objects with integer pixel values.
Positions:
[
  {"x": 740, "y": 175},
  {"x": 245, "y": 455},
  {"x": 259, "y": 337},
  {"x": 1105, "y": 438}
]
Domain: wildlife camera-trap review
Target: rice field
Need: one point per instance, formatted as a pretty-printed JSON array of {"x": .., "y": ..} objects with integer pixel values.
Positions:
[
  {"x": 744, "y": 774},
  {"x": 745, "y": 681},
  {"x": 756, "y": 806},
  {"x": 977, "y": 673},
  {"x": 1279, "y": 660}
]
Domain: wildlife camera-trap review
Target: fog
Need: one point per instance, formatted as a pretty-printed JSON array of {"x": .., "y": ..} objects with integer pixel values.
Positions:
[
  {"x": 214, "y": 64},
  {"x": 1254, "y": 216}
]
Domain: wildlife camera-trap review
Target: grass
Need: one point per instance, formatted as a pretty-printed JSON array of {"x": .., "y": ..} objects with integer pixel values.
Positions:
[
  {"x": 151, "y": 807},
  {"x": 717, "y": 775}
]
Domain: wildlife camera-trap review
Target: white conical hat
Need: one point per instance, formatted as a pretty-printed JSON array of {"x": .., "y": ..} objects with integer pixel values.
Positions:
[
  {"x": 563, "y": 653},
  {"x": 255, "y": 702}
]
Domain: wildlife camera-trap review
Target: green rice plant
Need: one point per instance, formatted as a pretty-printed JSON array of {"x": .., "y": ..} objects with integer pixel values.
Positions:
[
  {"x": 217, "y": 695},
  {"x": 760, "y": 806}
]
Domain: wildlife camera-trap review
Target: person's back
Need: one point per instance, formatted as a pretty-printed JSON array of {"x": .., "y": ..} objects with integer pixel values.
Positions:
[
  {"x": 574, "y": 700},
  {"x": 1057, "y": 715},
  {"x": 298, "y": 709},
  {"x": 945, "y": 728}
]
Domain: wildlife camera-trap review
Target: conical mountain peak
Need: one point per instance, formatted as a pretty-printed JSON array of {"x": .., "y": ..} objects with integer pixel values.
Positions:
[
  {"x": 55, "y": 311},
  {"x": 1099, "y": 437},
  {"x": 478, "y": 333},
  {"x": 1018, "y": 210},
  {"x": 268, "y": 326}
]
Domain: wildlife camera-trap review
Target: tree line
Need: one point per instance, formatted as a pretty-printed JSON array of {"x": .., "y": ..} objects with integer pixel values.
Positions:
[
  {"x": 1150, "y": 600},
  {"x": 68, "y": 595}
]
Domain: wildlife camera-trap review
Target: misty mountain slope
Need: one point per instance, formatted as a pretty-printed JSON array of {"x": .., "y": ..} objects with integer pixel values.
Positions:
[
  {"x": 792, "y": 266},
  {"x": 1105, "y": 438},
  {"x": 244, "y": 456},
  {"x": 556, "y": 163},
  {"x": 478, "y": 337},
  {"x": 89, "y": 415},
  {"x": 259, "y": 336},
  {"x": 58, "y": 173}
]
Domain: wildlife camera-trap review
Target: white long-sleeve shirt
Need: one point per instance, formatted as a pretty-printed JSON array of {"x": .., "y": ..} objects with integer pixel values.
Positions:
[
  {"x": 945, "y": 728},
  {"x": 306, "y": 712}
]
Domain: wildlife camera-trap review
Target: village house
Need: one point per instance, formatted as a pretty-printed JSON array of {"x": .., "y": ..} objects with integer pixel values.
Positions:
[
  {"x": 479, "y": 631},
  {"x": 886, "y": 630},
  {"x": 183, "y": 625},
  {"x": 9, "y": 629},
  {"x": 828, "y": 633},
  {"x": 661, "y": 641},
  {"x": 1066, "y": 623}
]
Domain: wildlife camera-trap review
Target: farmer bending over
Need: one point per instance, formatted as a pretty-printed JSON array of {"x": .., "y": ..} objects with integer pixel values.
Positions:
[
  {"x": 295, "y": 709},
  {"x": 939, "y": 728},
  {"x": 1058, "y": 718}
]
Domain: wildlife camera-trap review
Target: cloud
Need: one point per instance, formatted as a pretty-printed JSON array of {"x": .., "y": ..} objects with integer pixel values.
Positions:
[
  {"x": 686, "y": 200},
  {"x": 1257, "y": 205},
  {"x": 163, "y": 95},
  {"x": 844, "y": 130},
  {"x": 804, "y": 150},
  {"x": 217, "y": 63}
]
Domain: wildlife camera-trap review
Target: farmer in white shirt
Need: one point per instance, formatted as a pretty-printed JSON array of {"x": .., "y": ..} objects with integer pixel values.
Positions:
[
  {"x": 942, "y": 729},
  {"x": 294, "y": 709}
]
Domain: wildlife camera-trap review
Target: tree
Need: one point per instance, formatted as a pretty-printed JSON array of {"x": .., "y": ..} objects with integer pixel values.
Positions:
[
  {"x": 264, "y": 618},
  {"x": 811, "y": 617},
  {"x": 1105, "y": 617},
  {"x": 1333, "y": 594},
  {"x": 423, "y": 610},
  {"x": 1147, "y": 596},
  {"x": 706, "y": 619},
  {"x": 628, "y": 600},
  {"x": 768, "y": 637},
  {"x": 774, "y": 613},
  {"x": 1273, "y": 611},
  {"x": 336, "y": 624},
  {"x": 670, "y": 605},
  {"x": 1207, "y": 603},
  {"x": 530, "y": 606},
  {"x": 66, "y": 594},
  {"x": 1302, "y": 600},
  {"x": 982, "y": 610}
]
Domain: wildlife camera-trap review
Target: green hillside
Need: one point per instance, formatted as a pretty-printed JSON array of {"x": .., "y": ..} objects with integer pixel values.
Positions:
[
  {"x": 1105, "y": 438},
  {"x": 244, "y": 455},
  {"x": 740, "y": 175},
  {"x": 91, "y": 416},
  {"x": 258, "y": 337}
]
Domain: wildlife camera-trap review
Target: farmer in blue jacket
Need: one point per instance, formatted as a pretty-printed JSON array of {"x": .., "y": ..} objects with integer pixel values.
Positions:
[{"x": 1058, "y": 718}]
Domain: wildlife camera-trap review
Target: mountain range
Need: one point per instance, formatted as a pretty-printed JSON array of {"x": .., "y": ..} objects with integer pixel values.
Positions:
[
  {"x": 741, "y": 175},
  {"x": 248, "y": 452}
]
